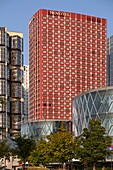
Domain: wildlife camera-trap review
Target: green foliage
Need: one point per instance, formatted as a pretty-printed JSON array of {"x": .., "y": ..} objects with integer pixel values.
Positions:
[
  {"x": 61, "y": 145},
  {"x": 40, "y": 155},
  {"x": 23, "y": 147},
  {"x": 92, "y": 144},
  {"x": 56, "y": 147},
  {"x": 4, "y": 149},
  {"x": 89, "y": 147}
]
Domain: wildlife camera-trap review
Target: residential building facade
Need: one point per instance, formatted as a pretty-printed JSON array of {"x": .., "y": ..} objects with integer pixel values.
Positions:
[
  {"x": 11, "y": 99},
  {"x": 110, "y": 61},
  {"x": 26, "y": 92}
]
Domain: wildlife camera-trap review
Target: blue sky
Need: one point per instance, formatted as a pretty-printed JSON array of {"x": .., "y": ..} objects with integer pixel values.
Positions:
[{"x": 15, "y": 14}]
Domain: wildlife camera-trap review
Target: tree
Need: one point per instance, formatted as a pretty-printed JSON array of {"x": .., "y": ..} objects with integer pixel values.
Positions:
[
  {"x": 93, "y": 144},
  {"x": 40, "y": 155},
  {"x": 56, "y": 147},
  {"x": 61, "y": 146},
  {"x": 4, "y": 149},
  {"x": 23, "y": 146}
]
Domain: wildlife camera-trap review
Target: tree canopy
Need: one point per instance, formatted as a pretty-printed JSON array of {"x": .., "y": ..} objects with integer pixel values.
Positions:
[
  {"x": 90, "y": 147},
  {"x": 4, "y": 149},
  {"x": 93, "y": 144},
  {"x": 40, "y": 155},
  {"x": 23, "y": 147},
  {"x": 61, "y": 145},
  {"x": 56, "y": 147}
]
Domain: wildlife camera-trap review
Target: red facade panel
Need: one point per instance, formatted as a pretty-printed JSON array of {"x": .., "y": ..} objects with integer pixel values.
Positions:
[{"x": 65, "y": 60}]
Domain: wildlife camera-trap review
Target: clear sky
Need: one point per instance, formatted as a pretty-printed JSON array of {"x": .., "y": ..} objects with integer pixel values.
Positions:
[{"x": 15, "y": 14}]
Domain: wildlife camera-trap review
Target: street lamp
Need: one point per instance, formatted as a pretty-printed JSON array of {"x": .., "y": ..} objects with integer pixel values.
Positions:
[
  {"x": 111, "y": 161},
  {"x": 110, "y": 148}
]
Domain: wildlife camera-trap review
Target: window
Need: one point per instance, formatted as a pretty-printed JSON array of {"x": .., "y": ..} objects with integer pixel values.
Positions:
[{"x": 98, "y": 20}]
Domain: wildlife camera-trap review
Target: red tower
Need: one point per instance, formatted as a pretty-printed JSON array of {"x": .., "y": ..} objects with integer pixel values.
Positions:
[{"x": 67, "y": 56}]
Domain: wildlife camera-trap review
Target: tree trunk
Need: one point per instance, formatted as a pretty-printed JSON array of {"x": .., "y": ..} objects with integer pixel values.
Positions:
[
  {"x": 23, "y": 166},
  {"x": 85, "y": 167},
  {"x": 94, "y": 166},
  {"x": 103, "y": 168},
  {"x": 68, "y": 165},
  {"x": 64, "y": 166}
]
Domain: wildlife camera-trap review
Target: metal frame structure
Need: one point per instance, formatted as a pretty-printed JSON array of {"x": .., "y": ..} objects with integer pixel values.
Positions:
[
  {"x": 94, "y": 104},
  {"x": 42, "y": 128}
]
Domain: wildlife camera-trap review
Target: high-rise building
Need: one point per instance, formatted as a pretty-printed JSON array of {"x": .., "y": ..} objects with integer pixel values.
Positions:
[
  {"x": 110, "y": 61},
  {"x": 67, "y": 56},
  {"x": 11, "y": 99},
  {"x": 26, "y": 92}
]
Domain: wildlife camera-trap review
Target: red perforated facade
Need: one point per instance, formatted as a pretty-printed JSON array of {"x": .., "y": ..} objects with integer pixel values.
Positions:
[{"x": 67, "y": 56}]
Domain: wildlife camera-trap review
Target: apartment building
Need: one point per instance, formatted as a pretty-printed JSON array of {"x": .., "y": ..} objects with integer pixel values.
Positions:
[{"x": 11, "y": 68}]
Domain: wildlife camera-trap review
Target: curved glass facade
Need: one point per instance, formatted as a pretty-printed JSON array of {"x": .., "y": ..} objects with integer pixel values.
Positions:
[
  {"x": 43, "y": 128},
  {"x": 95, "y": 104}
]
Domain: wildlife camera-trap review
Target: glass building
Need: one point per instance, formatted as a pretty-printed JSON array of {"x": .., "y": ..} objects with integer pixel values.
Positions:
[
  {"x": 110, "y": 61},
  {"x": 11, "y": 70},
  {"x": 94, "y": 104},
  {"x": 38, "y": 129}
]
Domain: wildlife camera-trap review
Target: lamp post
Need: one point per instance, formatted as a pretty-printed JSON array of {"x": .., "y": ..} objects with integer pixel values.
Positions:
[
  {"x": 111, "y": 150},
  {"x": 111, "y": 161}
]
